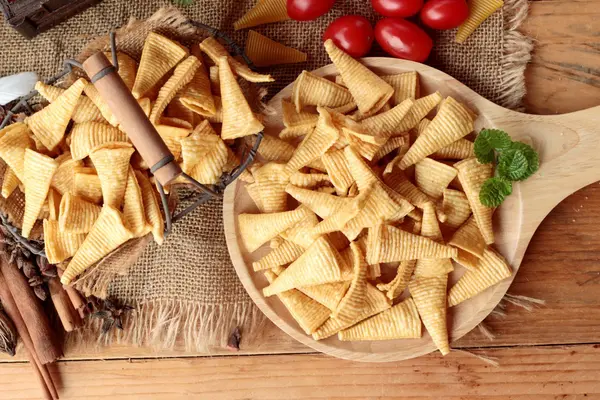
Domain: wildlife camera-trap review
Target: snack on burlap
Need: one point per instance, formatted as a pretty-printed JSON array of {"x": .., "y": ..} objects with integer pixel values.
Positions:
[{"x": 203, "y": 282}]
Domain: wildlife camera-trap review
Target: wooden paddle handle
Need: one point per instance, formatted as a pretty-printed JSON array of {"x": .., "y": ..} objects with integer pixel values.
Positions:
[{"x": 132, "y": 118}]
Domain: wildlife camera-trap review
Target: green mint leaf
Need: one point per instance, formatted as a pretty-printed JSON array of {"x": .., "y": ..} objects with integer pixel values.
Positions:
[
  {"x": 494, "y": 191},
  {"x": 533, "y": 159},
  {"x": 512, "y": 165},
  {"x": 489, "y": 140}
]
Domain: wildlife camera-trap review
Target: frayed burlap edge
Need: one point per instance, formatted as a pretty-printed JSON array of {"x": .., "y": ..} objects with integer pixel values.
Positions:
[{"x": 176, "y": 324}]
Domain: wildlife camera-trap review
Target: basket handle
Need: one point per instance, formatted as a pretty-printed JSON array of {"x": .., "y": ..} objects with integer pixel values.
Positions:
[{"x": 132, "y": 118}]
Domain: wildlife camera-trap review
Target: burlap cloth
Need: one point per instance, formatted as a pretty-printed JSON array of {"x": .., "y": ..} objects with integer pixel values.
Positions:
[{"x": 187, "y": 291}]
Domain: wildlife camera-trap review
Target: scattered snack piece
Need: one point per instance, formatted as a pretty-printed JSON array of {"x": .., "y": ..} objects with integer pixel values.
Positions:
[
  {"x": 328, "y": 294},
  {"x": 272, "y": 181},
  {"x": 14, "y": 140},
  {"x": 480, "y": 10},
  {"x": 431, "y": 229},
  {"x": 399, "y": 322},
  {"x": 133, "y": 207},
  {"x": 433, "y": 177},
  {"x": 197, "y": 96},
  {"x": 369, "y": 91},
  {"x": 336, "y": 165},
  {"x": 388, "y": 123},
  {"x": 419, "y": 110},
  {"x": 293, "y": 118},
  {"x": 322, "y": 204},
  {"x": 492, "y": 269},
  {"x": 456, "y": 207},
  {"x": 265, "y": 52},
  {"x": 263, "y": 12},
  {"x": 39, "y": 170},
  {"x": 64, "y": 176},
  {"x": 154, "y": 216},
  {"x": 108, "y": 233},
  {"x": 309, "y": 313},
  {"x": 429, "y": 294},
  {"x": 472, "y": 176},
  {"x": 159, "y": 56},
  {"x": 287, "y": 252}
]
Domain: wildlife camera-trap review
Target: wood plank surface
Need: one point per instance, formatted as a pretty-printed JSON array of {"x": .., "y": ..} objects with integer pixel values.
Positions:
[{"x": 524, "y": 373}]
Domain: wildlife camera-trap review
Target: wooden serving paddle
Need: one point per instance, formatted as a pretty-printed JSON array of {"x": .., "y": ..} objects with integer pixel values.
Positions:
[{"x": 569, "y": 148}]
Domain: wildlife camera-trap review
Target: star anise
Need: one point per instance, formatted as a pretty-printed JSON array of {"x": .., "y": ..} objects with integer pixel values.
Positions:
[{"x": 111, "y": 311}]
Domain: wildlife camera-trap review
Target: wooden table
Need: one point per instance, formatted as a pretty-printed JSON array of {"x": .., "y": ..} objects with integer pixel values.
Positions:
[{"x": 552, "y": 352}]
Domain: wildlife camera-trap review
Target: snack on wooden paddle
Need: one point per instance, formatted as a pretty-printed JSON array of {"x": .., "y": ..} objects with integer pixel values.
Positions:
[
  {"x": 263, "y": 12},
  {"x": 429, "y": 295},
  {"x": 159, "y": 56},
  {"x": 389, "y": 244},
  {"x": 285, "y": 253},
  {"x": 309, "y": 314},
  {"x": 60, "y": 245},
  {"x": 293, "y": 118},
  {"x": 492, "y": 268},
  {"x": 458, "y": 150},
  {"x": 322, "y": 204},
  {"x": 386, "y": 124},
  {"x": 274, "y": 149},
  {"x": 352, "y": 304},
  {"x": 314, "y": 144},
  {"x": 88, "y": 135},
  {"x": 108, "y": 233},
  {"x": 419, "y": 110},
  {"x": 301, "y": 232},
  {"x": 264, "y": 52},
  {"x": 87, "y": 186},
  {"x": 327, "y": 294},
  {"x": 85, "y": 110},
  {"x": 112, "y": 165},
  {"x": 369, "y": 91},
  {"x": 77, "y": 215},
  {"x": 468, "y": 238},
  {"x": 313, "y": 90},
  {"x": 398, "y": 181},
  {"x": 405, "y": 85},
  {"x": 480, "y": 10},
  {"x": 238, "y": 118},
  {"x": 399, "y": 322},
  {"x": 272, "y": 181},
  {"x": 433, "y": 177},
  {"x": 197, "y": 96},
  {"x": 456, "y": 207},
  {"x": 154, "y": 216},
  {"x": 14, "y": 140},
  {"x": 431, "y": 229},
  {"x": 10, "y": 182},
  {"x": 452, "y": 122},
  {"x": 39, "y": 170},
  {"x": 466, "y": 259},
  {"x": 258, "y": 229},
  {"x": 318, "y": 265},
  {"x": 49, "y": 124},
  {"x": 341, "y": 216},
  {"x": 216, "y": 51},
  {"x": 375, "y": 303},
  {"x": 183, "y": 74},
  {"x": 472, "y": 175}
]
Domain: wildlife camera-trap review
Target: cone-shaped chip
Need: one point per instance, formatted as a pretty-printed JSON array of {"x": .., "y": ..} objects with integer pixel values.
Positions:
[
  {"x": 399, "y": 322},
  {"x": 159, "y": 56},
  {"x": 127, "y": 68},
  {"x": 258, "y": 229},
  {"x": 204, "y": 156},
  {"x": 172, "y": 136},
  {"x": 151, "y": 208},
  {"x": 77, "y": 215},
  {"x": 272, "y": 181},
  {"x": 319, "y": 264},
  {"x": 14, "y": 140},
  {"x": 406, "y": 86},
  {"x": 108, "y": 233},
  {"x": 480, "y": 10},
  {"x": 322, "y": 204},
  {"x": 85, "y": 110},
  {"x": 60, "y": 245},
  {"x": 395, "y": 143},
  {"x": 328, "y": 294},
  {"x": 49, "y": 124},
  {"x": 112, "y": 164},
  {"x": 312, "y": 90},
  {"x": 396, "y": 286},
  {"x": 309, "y": 314},
  {"x": 432, "y": 177},
  {"x": 183, "y": 74},
  {"x": 285, "y": 253},
  {"x": 197, "y": 96},
  {"x": 275, "y": 149},
  {"x": 468, "y": 238},
  {"x": 452, "y": 122},
  {"x": 419, "y": 110},
  {"x": 492, "y": 269},
  {"x": 429, "y": 294},
  {"x": 263, "y": 12},
  {"x": 311, "y": 180},
  {"x": 39, "y": 170},
  {"x": 472, "y": 176},
  {"x": 238, "y": 118},
  {"x": 293, "y": 118},
  {"x": 337, "y": 167},
  {"x": 375, "y": 303},
  {"x": 370, "y": 92},
  {"x": 387, "y": 124},
  {"x": 456, "y": 207},
  {"x": 10, "y": 182},
  {"x": 88, "y": 187},
  {"x": 398, "y": 181},
  {"x": 389, "y": 244},
  {"x": 133, "y": 207},
  {"x": 88, "y": 135},
  {"x": 353, "y": 303},
  {"x": 431, "y": 229},
  {"x": 63, "y": 179},
  {"x": 265, "y": 52}
]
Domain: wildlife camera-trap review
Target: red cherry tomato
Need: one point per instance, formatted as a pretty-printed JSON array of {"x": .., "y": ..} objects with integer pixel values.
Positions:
[
  {"x": 351, "y": 33},
  {"x": 444, "y": 14},
  {"x": 403, "y": 39},
  {"x": 397, "y": 8},
  {"x": 306, "y": 10}
]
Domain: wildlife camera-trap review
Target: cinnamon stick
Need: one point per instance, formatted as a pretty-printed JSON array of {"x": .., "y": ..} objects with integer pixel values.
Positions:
[
  {"x": 11, "y": 309},
  {"x": 45, "y": 343},
  {"x": 77, "y": 300},
  {"x": 64, "y": 308}
]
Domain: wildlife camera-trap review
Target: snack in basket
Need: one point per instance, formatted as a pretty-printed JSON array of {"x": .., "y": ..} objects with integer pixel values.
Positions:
[
  {"x": 87, "y": 183},
  {"x": 397, "y": 196}
]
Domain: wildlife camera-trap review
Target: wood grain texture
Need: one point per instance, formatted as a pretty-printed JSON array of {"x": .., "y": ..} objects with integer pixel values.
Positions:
[
  {"x": 568, "y": 146},
  {"x": 525, "y": 373}
]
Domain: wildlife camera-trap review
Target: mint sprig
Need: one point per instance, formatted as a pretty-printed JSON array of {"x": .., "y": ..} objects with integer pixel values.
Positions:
[{"x": 516, "y": 161}]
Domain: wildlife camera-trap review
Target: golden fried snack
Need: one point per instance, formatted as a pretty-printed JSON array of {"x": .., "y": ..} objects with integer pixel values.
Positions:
[
  {"x": 406, "y": 86},
  {"x": 429, "y": 294},
  {"x": 432, "y": 177},
  {"x": 88, "y": 135},
  {"x": 77, "y": 215},
  {"x": 112, "y": 165},
  {"x": 456, "y": 207},
  {"x": 313, "y": 90},
  {"x": 154, "y": 216},
  {"x": 39, "y": 170},
  {"x": 60, "y": 245},
  {"x": 263, "y": 12},
  {"x": 265, "y": 52},
  {"x": 85, "y": 110},
  {"x": 469, "y": 238},
  {"x": 258, "y": 229}
]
